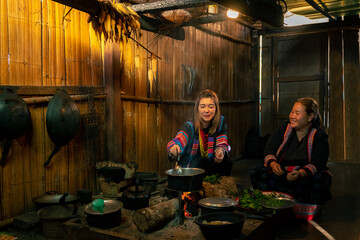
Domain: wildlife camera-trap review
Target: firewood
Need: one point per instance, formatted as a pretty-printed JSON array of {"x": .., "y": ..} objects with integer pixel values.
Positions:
[{"x": 153, "y": 217}]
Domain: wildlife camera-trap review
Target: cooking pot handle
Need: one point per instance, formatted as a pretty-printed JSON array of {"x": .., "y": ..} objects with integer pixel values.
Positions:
[
  {"x": 62, "y": 199},
  {"x": 55, "y": 150},
  {"x": 5, "y": 152}
]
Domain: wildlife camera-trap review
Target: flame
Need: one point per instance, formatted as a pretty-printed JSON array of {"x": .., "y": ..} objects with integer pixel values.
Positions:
[{"x": 184, "y": 196}]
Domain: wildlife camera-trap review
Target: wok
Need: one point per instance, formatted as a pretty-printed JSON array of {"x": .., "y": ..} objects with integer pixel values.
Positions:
[
  {"x": 14, "y": 119},
  {"x": 62, "y": 121}
]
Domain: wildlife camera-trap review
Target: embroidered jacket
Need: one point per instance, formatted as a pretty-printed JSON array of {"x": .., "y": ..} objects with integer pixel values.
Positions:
[
  {"x": 188, "y": 141},
  {"x": 317, "y": 149}
]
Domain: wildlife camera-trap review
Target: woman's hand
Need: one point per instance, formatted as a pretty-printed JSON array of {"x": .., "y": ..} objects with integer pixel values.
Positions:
[
  {"x": 276, "y": 168},
  {"x": 219, "y": 155},
  {"x": 174, "y": 151},
  {"x": 292, "y": 176}
]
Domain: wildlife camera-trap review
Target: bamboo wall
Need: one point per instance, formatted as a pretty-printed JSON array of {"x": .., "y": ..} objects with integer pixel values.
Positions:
[
  {"x": 40, "y": 50},
  {"x": 220, "y": 65},
  {"x": 44, "y": 47}
]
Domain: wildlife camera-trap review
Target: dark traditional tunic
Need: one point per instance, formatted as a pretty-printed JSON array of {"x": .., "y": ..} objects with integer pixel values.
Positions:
[
  {"x": 188, "y": 141},
  {"x": 310, "y": 154}
]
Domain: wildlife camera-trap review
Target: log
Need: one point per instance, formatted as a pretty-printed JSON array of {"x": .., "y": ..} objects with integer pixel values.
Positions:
[{"x": 150, "y": 218}]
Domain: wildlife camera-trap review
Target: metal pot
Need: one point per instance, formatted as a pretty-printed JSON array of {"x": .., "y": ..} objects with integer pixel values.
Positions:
[
  {"x": 217, "y": 204},
  {"x": 14, "y": 119},
  {"x": 148, "y": 180},
  {"x": 135, "y": 198},
  {"x": 62, "y": 121},
  {"x": 52, "y": 198},
  {"x": 188, "y": 180},
  {"x": 230, "y": 230},
  {"x": 111, "y": 217},
  {"x": 53, "y": 217}
]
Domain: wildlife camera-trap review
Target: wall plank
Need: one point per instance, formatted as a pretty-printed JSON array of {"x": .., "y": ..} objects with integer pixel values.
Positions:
[
  {"x": 352, "y": 93},
  {"x": 336, "y": 128}
]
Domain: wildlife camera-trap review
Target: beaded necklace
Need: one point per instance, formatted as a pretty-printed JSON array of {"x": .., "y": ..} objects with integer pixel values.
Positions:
[{"x": 203, "y": 142}]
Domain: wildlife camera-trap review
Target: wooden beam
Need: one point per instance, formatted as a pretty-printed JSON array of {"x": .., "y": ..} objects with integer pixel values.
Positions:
[
  {"x": 89, "y": 6},
  {"x": 92, "y": 7},
  {"x": 224, "y": 35},
  {"x": 269, "y": 13},
  {"x": 154, "y": 25},
  {"x": 320, "y": 10},
  {"x": 48, "y": 91},
  {"x": 351, "y": 23},
  {"x": 167, "y": 5}
]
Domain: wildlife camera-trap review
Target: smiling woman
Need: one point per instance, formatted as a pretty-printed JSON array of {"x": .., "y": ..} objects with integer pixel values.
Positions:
[
  {"x": 296, "y": 155},
  {"x": 202, "y": 143}
]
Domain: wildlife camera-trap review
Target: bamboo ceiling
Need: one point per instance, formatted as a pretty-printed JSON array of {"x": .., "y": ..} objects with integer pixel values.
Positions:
[{"x": 336, "y": 8}]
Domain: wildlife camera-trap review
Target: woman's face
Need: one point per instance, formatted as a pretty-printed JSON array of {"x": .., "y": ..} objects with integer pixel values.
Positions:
[
  {"x": 299, "y": 119},
  {"x": 207, "y": 110}
]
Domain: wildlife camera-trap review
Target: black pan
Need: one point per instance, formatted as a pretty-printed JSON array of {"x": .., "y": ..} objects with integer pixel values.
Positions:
[
  {"x": 62, "y": 121},
  {"x": 14, "y": 119}
]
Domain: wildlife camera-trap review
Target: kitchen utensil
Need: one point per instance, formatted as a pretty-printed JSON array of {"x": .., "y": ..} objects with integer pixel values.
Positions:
[
  {"x": 190, "y": 179},
  {"x": 111, "y": 217},
  {"x": 53, "y": 217},
  {"x": 216, "y": 204},
  {"x": 62, "y": 121},
  {"x": 53, "y": 198},
  {"x": 14, "y": 119},
  {"x": 148, "y": 180},
  {"x": 135, "y": 197},
  {"x": 220, "y": 230}
]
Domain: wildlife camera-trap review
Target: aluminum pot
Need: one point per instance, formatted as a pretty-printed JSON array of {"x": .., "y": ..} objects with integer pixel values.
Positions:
[
  {"x": 187, "y": 180},
  {"x": 111, "y": 217},
  {"x": 217, "y": 204}
]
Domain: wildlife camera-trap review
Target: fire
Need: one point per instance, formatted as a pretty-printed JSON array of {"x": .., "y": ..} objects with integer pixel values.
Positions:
[{"x": 187, "y": 197}]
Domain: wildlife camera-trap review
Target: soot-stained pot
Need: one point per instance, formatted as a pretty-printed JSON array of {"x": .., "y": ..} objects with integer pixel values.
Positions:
[
  {"x": 111, "y": 217},
  {"x": 217, "y": 204},
  {"x": 53, "y": 198},
  {"x": 231, "y": 230},
  {"x": 135, "y": 198},
  {"x": 14, "y": 119},
  {"x": 187, "y": 180},
  {"x": 62, "y": 121}
]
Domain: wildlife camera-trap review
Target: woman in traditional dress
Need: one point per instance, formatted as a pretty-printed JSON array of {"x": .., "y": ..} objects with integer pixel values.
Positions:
[
  {"x": 296, "y": 155},
  {"x": 203, "y": 143}
]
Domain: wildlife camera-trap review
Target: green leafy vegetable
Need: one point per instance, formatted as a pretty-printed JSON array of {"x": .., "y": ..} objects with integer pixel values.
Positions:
[
  {"x": 213, "y": 179},
  {"x": 253, "y": 199}
]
